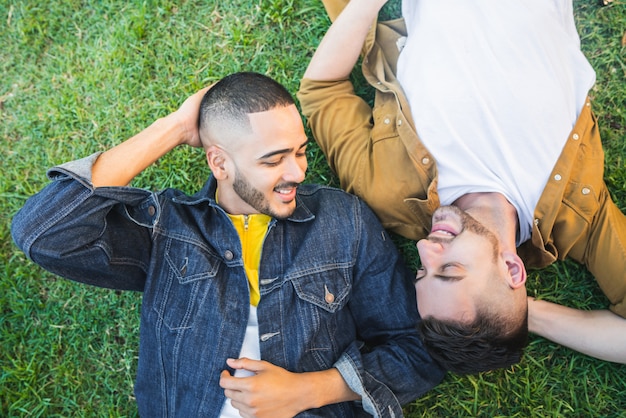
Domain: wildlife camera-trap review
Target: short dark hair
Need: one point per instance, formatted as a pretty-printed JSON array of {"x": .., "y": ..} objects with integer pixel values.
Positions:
[
  {"x": 489, "y": 342},
  {"x": 236, "y": 95}
]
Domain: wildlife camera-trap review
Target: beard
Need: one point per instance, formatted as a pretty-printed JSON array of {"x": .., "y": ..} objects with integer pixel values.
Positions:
[
  {"x": 469, "y": 224},
  {"x": 255, "y": 198},
  {"x": 472, "y": 225}
]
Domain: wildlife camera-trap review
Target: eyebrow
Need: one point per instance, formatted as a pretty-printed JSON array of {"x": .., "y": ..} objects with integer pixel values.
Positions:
[{"x": 282, "y": 151}]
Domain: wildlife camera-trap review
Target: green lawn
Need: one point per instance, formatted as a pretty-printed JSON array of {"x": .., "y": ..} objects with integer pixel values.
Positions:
[{"x": 80, "y": 76}]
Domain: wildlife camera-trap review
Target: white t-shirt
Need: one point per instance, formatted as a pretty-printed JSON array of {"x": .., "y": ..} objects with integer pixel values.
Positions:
[
  {"x": 250, "y": 349},
  {"x": 495, "y": 88}
]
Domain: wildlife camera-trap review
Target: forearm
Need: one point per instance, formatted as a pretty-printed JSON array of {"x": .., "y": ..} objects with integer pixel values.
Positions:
[
  {"x": 119, "y": 165},
  {"x": 339, "y": 50},
  {"x": 325, "y": 388},
  {"x": 599, "y": 333}
]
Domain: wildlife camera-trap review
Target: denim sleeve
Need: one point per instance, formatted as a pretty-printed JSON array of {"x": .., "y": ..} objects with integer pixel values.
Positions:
[
  {"x": 86, "y": 234},
  {"x": 393, "y": 367}
]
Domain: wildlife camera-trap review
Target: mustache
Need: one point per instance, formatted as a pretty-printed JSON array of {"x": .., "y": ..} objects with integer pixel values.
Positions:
[
  {"x": 287, "y": 185},
  {"x": 439, "y": 240}
]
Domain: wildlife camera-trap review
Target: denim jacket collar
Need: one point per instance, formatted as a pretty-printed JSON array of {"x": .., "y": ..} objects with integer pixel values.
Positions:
[{"x": 207, "y": 195}]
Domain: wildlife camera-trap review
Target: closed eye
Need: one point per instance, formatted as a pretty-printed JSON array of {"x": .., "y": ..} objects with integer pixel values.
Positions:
[
  {"x": 302, "y": 150},
  {"x": 447, "y": 268},
  {"x": 446, "y": 278},
  {"x": 421, "y": 273},
  {"x": 272, "y": 163}
]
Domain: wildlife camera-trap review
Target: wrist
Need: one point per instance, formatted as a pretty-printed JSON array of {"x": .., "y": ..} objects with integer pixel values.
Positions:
[
  {"x": 325, "y": 388},
  {"x": 541, "y": 316},
  {"x": 172, "y": 130}
]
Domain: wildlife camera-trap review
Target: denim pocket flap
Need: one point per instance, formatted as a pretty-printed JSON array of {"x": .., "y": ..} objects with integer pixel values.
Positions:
[
  {"x": 328, "y": 289},
  {"x": 192, "y": 263}
]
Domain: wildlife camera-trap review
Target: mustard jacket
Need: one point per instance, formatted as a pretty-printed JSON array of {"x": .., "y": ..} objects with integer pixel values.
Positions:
[{"x": 377, "y": 155}]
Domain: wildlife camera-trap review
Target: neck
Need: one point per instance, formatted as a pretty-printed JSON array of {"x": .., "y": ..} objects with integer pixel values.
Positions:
[
  {"x": 228, "y": 200},
  {"x": 495, "y": 212}
]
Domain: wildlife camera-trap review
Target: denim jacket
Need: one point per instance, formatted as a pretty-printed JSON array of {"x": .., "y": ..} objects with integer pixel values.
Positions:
[{"x": 334, "y": 291}]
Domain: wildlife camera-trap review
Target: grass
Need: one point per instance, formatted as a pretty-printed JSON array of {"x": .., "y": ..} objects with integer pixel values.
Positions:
[{"x": 79, "y": 76}]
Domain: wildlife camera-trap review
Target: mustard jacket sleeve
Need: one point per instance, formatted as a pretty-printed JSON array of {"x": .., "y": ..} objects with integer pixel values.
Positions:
[{"x": 341, "y": 123}]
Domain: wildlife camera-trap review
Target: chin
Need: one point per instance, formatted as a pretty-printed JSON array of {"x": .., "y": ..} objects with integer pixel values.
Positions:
[{"x": 282, "y": 211}]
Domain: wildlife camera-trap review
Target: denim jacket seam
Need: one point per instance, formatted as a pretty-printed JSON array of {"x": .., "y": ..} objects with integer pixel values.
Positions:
[
  {"x": 320, "y": 269},
  {"x": 45, "y": 226},
  {"x": 166, "y": 234}
]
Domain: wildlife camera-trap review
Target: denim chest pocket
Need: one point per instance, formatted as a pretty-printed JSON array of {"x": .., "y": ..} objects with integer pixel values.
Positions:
[
  {"x": 328, "y": 288},
  {"x": 189, "y": 277},
  {"x": 319, "y": 315}
]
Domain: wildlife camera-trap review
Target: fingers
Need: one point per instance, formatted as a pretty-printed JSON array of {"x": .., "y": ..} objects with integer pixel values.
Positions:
[
  {"x": 245, "y": 363},
  {"x": 234, "y": 387},
  {"x": 238, "y": 383}
]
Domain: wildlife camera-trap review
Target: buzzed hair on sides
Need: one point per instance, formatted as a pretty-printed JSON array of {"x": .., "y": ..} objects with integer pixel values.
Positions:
[{"x": 229, "y": 101}]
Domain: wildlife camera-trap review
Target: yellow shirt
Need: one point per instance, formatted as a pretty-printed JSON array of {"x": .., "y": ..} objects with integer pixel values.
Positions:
[{"x": 252, "y": 230}]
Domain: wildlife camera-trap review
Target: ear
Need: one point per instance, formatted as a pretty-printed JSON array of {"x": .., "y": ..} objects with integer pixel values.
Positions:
[
  {"x": 216, "y": 159},
  {"x": 516, "y": 269}
]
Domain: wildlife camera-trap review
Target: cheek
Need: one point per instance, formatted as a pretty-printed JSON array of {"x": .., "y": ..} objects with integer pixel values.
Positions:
[
  {"x": 420, "y": 299},
  {"x": 261, "y": 180},
  {"x": 266, "y": 184}
]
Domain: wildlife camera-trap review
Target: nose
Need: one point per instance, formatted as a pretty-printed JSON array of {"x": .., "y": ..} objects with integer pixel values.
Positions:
[
  {"x": 296, "y": 170},
  {"x": 429, "y": 251}
]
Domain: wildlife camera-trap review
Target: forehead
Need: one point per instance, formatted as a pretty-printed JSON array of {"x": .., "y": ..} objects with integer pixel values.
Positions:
[
  {"x": 278, "y": 128},
  {"x": 284, "y": 116}
]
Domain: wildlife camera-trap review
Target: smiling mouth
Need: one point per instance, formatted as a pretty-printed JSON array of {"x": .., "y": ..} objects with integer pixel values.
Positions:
[
  {"x": 446, "y": 223},
  {"x": 442, "y": 231},
  {"x": 286, "y": 191}
]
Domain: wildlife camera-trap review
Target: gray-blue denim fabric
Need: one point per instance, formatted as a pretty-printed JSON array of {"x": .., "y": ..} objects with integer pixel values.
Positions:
[{"x": 334, "y": 291}]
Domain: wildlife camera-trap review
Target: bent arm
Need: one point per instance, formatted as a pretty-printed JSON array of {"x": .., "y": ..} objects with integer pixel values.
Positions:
[
  {"x": 83, "y": 233},
  {"x": 340, "y": 121},
  {"x": 119, "y": 165},
  {"x": 71, "y": 231},
  {"x": 600, "y": 333},
  {"x": 339, "y": 50}
]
